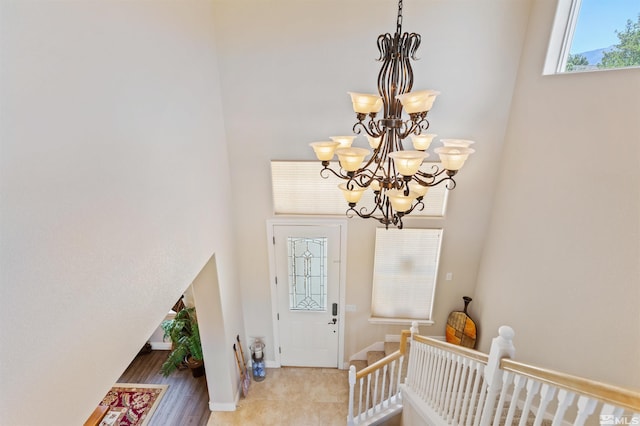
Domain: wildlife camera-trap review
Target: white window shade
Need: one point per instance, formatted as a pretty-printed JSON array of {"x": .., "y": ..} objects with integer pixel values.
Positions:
[
  {"x": 298, "y": 188},
  {"x": 405, "y": 271}
]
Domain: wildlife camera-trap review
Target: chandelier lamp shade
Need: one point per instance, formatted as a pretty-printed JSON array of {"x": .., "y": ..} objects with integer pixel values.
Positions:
[{"x": 392, "y": 172}]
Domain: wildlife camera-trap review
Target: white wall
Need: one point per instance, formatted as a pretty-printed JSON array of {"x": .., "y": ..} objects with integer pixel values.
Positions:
[
  {"x": 115, "y": 193},
  {"x": 561, "y": 264},
  {"x": 285, "y": 69}
]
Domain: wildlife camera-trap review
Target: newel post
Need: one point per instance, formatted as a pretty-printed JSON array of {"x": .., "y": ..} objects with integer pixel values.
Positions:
[
  {"x": 501, "y": 347},
  {"x": 352, "y": 382},
  {"x": 414, "y": 328}
]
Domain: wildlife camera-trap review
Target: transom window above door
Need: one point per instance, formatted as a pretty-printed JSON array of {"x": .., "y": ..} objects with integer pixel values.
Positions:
[{"x": 298, "y": 189}]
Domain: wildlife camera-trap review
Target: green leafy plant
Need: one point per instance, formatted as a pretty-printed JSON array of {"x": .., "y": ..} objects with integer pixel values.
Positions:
[
  {"x": 185, "y": 336},
  {"x": 576, "y": 61},
  {"x": 627, "y": 51}
]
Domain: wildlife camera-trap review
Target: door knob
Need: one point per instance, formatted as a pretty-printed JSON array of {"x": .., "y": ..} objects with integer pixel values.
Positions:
[{"x": 333, "y": 321}]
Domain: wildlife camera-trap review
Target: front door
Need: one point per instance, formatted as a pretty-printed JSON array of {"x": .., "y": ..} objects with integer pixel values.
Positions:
[{"x": 307, "y": 262}]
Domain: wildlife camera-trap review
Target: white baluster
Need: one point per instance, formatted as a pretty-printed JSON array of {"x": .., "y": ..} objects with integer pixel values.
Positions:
[
  {"x": 433, "y": 389},
  {"x": 366, "y": 405},
  {"x": 428, "y": 380},
  {"x": 446, "y": 388},
  {"x": 565, "y": 399},
  {"x": 482, "y": 400},
  {"x": 586, "y": 407},
  {"x": 533, "y": 387},
  {"x": 416, "y": 368},
  {"x": 384, "y": 382},
  {"x": 375, "y": 389},
  {"x": 352, "y": 382},
  {"x": 506, "y": 383},
  {"x": 461, "y": 393},
  {"x": 467, "y": 391},
  {"x": 608, "y": 409},
  {"x": 392, "y": 380},
  {"x": 518, "y": 384},
  {"x": 546, "y": 395},
  {"x": 473, "y": 402},
  {"x": 360, "y": 400},
  {"x": 454, "y": 389},
  {"x": 397, "y": 394},
  {"x": 442, "y": 389}
]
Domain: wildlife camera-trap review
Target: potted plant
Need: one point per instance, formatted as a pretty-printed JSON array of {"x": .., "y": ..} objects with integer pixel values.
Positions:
[{"x": 185, "y": 338}]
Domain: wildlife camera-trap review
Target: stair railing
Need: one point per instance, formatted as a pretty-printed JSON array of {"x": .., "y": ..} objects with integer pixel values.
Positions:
[
  {"x": 449, "y": 384},
  {"x": 378, "y": 391}
]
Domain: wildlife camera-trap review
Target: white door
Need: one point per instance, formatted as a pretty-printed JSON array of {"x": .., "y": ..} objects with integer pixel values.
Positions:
[{"x": 307, "y": 262}]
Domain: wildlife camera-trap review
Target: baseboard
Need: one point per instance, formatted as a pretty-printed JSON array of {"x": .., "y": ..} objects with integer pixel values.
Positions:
[
  {"x": 160, "y": 346},
  {"x": 217, "y": 406}
]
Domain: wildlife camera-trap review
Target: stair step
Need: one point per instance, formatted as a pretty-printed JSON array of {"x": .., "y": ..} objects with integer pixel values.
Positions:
[
  {"x": 391, "y": 347},
  {"x": 359, "y": 364},
  {"x": 374, "y": 356}
]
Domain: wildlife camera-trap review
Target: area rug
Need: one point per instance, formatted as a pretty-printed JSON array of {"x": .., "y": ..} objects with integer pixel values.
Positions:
[{"x": 132, "y": 404}]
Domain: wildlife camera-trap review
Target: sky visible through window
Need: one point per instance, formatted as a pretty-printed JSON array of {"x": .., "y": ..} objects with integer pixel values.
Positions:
[{"x": 598, "y": 21}]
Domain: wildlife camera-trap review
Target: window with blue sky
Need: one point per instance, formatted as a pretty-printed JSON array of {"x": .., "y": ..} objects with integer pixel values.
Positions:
[{"x": 606, "y": 34}]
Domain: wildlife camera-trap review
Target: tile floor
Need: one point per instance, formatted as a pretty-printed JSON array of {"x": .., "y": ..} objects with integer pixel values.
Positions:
[{"x": 292, "y": 396}]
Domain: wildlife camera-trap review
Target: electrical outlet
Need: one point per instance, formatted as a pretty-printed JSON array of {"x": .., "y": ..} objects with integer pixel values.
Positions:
[{"x": 449, "y": 276}]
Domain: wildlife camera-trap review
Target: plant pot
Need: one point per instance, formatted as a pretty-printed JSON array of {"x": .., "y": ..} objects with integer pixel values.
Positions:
[{"x": 196, "y": 366}]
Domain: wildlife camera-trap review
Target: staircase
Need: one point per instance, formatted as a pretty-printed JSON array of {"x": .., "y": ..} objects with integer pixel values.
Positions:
[
  {"x": 374, "y": 385},
  {"x": 373, "y": 357}
]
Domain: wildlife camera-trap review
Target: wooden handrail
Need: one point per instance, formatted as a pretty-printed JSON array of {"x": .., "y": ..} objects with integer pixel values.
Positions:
[
  {"x": 619, "y": 396},
  {"x": 460, "y": 350},
  {"x": 378, "y": 365},
  {"x": 404, "y": 336}
]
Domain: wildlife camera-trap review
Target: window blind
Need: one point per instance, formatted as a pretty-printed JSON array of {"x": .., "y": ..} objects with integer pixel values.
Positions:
[
  {"x": 405, "y": 271},
  {"x": 298, "y": 188}
]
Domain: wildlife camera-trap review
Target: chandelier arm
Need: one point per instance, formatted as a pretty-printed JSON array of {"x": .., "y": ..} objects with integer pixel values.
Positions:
[
  {"x": 329, "y": 169},
  {"x": 375, "y": 129},
  {"x": 418, "y": 205},
  {"x": 408, "y": 127},
  {"x": 415, "y": 126},
  {"x": 436, "y": 172},
  {"x": 412, "y": 45},
  {"x": 371, "y": 128},
  {"x": 384, "y": 45},
  {"x": 382, "y": 220},
  {"x": 451, "y": 183},
  {"x": 362, "y": 179}
]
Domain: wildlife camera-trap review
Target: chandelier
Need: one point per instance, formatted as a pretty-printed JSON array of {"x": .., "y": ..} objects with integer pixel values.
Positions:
[{"x": 393, "y": 173}]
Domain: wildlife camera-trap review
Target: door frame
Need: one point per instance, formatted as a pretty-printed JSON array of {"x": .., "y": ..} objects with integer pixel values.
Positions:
[{"x": 342, "y": 223}]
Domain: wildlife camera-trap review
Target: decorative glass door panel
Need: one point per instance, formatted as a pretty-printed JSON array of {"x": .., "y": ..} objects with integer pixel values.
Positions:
[{"x": 307, "y": 259}]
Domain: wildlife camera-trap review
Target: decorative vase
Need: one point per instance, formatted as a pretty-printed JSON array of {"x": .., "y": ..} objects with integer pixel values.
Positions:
[{"x": 461, "y": 329}]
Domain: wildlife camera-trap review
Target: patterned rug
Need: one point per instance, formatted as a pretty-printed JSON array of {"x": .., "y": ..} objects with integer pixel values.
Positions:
[{"x": 131, "y": 404}]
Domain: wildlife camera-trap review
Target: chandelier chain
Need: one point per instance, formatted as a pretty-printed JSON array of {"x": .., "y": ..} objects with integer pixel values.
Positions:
[{"x": 399, "y": 22}]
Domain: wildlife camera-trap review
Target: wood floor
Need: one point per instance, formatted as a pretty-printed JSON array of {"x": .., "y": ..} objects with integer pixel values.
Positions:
[{"x": 186, "y": 401}]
